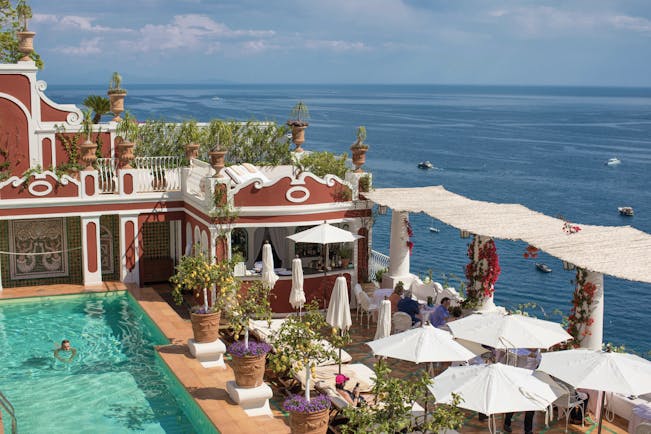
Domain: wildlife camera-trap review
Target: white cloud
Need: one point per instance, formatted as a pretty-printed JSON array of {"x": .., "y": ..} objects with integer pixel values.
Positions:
[
  {"x": 67, "y": 22},
  {"x": 335, "y": 45},
  {"x": 541, "y": 21},
  {"x": 89, "y": 46}
]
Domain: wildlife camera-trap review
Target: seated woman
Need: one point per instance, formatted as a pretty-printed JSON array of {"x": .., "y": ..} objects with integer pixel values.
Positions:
[
  {"x": 352, "y": 398},
  {"x": 396, "y": 297}
]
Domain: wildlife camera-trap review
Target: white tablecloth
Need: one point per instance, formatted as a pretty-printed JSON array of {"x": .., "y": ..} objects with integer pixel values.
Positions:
[
  {"x": 641, "y": 414},
  {"x": 379, "y": 294}
]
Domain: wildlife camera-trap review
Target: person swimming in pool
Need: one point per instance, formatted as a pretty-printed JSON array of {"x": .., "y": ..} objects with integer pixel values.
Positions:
[{"x": 70, "y": 352}]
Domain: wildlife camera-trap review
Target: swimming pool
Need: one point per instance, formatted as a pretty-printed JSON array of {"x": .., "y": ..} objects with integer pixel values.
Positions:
[{"x": 115, "y": 384}]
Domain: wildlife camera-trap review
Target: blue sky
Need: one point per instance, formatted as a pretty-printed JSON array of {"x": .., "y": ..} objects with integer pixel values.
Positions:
[{"x": 570, "y": 42}]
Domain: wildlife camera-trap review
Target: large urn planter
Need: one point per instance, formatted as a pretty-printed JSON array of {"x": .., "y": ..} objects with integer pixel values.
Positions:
[
  {"x": 309, "y": 423},
  {"x": 359, "y": 158},
  {"x": 205, "y": 326},
  {"x": 25, "y": 44},
  {"x": 88, "y": 149},
  {"x": 116, "y": 97},
  {"x": 249, "y": 370},
  {"x": 125, "y": 148},
  {"x": 298, "y": 134},
  {"x": 191, "y": 151},
  {"x": 217, "y": 161}
]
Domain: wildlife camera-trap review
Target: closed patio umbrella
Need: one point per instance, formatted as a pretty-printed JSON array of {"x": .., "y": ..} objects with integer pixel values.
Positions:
[
  {"x": 622, "y": 373},
  {"x": 297, "y": 295},
  {"x": 384, "y": 321},
  {"x": 269, "y": 276},
  {"x": 338, "y": 314}
]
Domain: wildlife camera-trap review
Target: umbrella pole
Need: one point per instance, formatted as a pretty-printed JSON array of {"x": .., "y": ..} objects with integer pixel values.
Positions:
[
  {"x": 341, "y": 333},
  {"x": 602, "y": 396}
]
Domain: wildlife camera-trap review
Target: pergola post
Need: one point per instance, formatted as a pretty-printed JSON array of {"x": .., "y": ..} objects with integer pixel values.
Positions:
[
  {"x": 478, "y": 242},
  {"x": 594, "y": 337},
  {"x": 398, "y": 252}
]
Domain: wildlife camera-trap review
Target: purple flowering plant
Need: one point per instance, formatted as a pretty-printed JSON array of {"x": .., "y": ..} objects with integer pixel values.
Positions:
[
  {"x": 254, "y": 348},
  {"x": 298, "y": 404}
]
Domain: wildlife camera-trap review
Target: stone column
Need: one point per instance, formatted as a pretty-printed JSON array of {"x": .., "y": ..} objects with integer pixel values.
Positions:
[
  {"x": 487, "y": 304},
  {"x": 129, "y": 249},
  {"x": 91, "y": 253},
  {"x": 594, "y": 339},
  {"x": 398, "y": 252}
]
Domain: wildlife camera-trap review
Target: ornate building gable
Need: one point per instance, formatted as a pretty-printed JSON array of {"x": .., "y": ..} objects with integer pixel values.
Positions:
[
  {"x": 305, "y": 189},
  {"x": 28, "y": 120}
]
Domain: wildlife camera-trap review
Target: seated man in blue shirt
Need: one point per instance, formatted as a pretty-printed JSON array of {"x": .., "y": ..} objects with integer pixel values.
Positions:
[
  {"x": 440, "y": 315},
  {"x": 409, "y": 306}
]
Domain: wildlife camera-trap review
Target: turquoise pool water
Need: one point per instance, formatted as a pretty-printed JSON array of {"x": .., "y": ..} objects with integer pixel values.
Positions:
[{"x": 115, "y": 384}]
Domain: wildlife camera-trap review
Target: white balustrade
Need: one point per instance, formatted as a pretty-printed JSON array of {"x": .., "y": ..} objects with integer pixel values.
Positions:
[
  {"x": 157, "y": 174},
  {"x": 377, "y": 261},
  {"x": 107, "y": 175}
]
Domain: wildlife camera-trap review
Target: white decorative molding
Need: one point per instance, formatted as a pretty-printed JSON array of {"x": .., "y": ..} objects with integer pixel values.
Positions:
[
  {"x": 40, "y": 183},
  {"x": 297, "y": 188},
  {"x": 259, "y": 183},
  {"x": 75, "y": 115},
  {"x": 40, "y": 179}
]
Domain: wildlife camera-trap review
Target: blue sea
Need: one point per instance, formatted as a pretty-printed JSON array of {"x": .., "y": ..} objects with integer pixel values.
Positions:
[{"x": 543, "y": 147}]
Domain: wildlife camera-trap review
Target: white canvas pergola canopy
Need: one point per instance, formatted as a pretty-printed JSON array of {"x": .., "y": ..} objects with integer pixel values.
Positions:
[{"x": 619, "y": 251}]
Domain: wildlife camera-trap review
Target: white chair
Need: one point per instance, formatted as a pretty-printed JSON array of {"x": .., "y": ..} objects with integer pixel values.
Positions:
[
  {"x": 568, "y": 402},
  {"x": 643, "y": 428},
  {"x": 367, "y": 307},
  {"x": 357, "y": 289},
  {"x": 422, "y": 291},
  {"x": 400, "y": 321}
]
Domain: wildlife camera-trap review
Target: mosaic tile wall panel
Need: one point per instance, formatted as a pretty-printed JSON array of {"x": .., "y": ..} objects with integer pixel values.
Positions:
[
  {"x": 156, "y": 240},
  {"x": 110, "y": 247},
  {"x": 42, "y": 238}
]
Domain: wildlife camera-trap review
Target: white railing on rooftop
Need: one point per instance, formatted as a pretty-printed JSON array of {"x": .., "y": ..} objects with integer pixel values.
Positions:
[
  {"x": 108, "y": 176},
  {"x": 157, "y": 174},
  {"x": 377, "y": 261},
  {"x": 196, "y": 182}
]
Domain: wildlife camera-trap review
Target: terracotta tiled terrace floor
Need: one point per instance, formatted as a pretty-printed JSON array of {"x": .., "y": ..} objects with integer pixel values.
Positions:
[{"x": 208, "y": 386}]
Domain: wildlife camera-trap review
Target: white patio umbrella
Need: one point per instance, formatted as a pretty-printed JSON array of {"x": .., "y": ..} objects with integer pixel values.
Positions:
[
  {"x": 420, "y": 345},
  {"x": 493, "y": 389},
  {"x": 508, "y": 331},
  {"x": 338, "y": 314},
  {"x": 324, "y": 234},
  {"x": 297, "y": 295},
  {"x": 597, "y": 370},
  {"x": 269, "y": 276},
  {"x": 384, "y": 321}
]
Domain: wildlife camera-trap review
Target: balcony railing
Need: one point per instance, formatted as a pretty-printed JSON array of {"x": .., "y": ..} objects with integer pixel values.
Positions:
[
  {"x": 157, "y": 174},
  {"x": 107, "y": 169},
  {"x": 377, "y": 261}
]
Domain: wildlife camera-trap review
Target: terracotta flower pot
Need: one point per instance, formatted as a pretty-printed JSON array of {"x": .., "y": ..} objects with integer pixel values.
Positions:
[
  {"x": 345, "y": 262},
  {"x": 126, "y": 154},
  {"x": 217, "y": 161},
  {"x": 88, "y": 149},
  {"x": 117, "y": 102},
  {"x": 249, "y": 370},
  {"x": 191, "y": 151},
  {"x": 25, "y": 44},
  {"x": 205, "y": 326},
  {"x": 309, "y": 423},
  {"x": 359, "y": 158}
]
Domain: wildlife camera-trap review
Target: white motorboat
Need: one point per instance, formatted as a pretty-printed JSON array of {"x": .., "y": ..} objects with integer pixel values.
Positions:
[
  {"x": 626, "y": 211},
  {"x": 543, "y": 267},
  {"x": 425, "y": 165},
  {"x": 613, "y": 162}
]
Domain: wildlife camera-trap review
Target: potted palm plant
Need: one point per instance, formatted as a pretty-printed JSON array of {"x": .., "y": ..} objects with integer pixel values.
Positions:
[
  {"x": 224, "y": 135},
  {"x": 191, "y": 135},
  {"x": 99, "y": 105},
  {"x": 25, "y": 37},
  {"x": 89, "y": 147},
  {"x": 116, "y": 95},
  {"x": 298, "y": 123},
  {"x": 359, "y": 149},
  {"x": 248, "y": 358},
  {"x": 346, "y": 254},
  {"x": 298, "y": 346},
  {"x": 127, "y": 134},
  {"x": 198, "y": 274}
]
